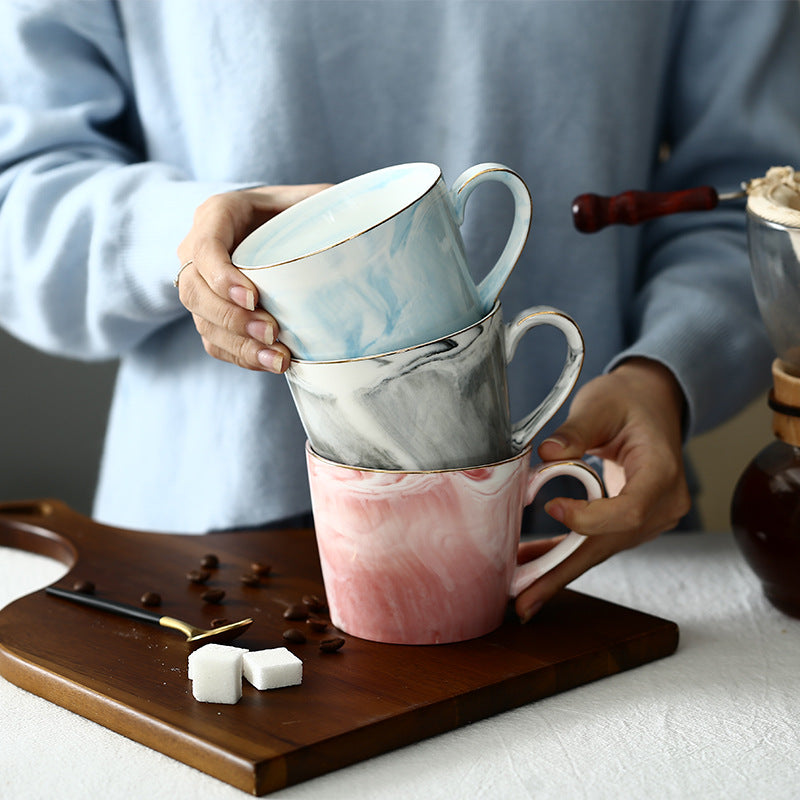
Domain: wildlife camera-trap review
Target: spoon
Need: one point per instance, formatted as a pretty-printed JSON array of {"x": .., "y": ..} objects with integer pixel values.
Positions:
[
  {"x": 194, "y": 636},
  {"x": 592, "y": 212}
]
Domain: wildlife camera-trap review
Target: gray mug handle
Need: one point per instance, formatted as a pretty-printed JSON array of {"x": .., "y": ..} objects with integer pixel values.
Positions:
[
  {"x": 522, "y": 432},
  {"x": 489, "y": 288}
]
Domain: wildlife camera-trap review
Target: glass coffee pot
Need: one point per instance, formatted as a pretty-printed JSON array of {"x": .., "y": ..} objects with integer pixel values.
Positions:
[{"x": 765, "y": 508}]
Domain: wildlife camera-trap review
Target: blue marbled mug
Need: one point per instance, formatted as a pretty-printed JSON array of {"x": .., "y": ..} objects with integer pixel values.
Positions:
[
  {"x": 439, "y": 405},
  {"x": 377, "y": 263}
]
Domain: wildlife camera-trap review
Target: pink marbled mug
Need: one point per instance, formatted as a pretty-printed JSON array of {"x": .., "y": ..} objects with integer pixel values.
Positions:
[{"x": 429, "y": 557}]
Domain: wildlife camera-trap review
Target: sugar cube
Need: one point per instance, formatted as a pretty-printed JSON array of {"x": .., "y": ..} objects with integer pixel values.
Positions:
[
  {"x": 216, "y": 673},
  {"x": 273, "y": 668}
]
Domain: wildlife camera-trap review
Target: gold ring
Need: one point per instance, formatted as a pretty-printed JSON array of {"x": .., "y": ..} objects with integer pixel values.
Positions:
[{"x": 183, "y": 267}]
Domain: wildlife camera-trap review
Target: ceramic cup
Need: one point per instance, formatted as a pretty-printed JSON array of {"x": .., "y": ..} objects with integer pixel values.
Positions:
[
  {"x": 377, "y": 262},
  {"x": 436, "y": 405},
  {"x": 429, "y": 557}
]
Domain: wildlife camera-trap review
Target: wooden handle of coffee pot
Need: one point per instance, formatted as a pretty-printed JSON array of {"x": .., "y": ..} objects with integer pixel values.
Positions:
[{"x": 593, "y": 212}]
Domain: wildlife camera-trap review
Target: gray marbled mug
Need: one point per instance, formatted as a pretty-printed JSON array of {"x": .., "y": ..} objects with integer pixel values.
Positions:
[{"x": 438, "y": 405}]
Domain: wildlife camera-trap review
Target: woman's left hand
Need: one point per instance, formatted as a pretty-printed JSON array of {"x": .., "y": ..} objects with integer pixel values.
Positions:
[{"x": 631, "y": 418}]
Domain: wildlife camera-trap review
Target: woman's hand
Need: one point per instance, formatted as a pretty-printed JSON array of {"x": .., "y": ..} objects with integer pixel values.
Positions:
[
  {"x": 221, "y": 299},
  {"x": 632, "y": 419}
]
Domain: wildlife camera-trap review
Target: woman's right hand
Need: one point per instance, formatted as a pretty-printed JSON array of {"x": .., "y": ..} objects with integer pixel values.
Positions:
[{"x": 221, "y": 299}]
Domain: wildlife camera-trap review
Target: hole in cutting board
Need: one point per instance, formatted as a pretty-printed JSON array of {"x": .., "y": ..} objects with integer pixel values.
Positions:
[{"x": 31, "y": 557}]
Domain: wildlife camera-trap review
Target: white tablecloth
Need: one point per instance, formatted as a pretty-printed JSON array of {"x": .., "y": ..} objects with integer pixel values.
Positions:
[{"x": 718, "y": 719}]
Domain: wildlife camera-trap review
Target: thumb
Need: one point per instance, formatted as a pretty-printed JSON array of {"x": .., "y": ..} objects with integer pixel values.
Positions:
[
  {"x": 569, "y": 441},
  {"x": 596, "y": 416}
]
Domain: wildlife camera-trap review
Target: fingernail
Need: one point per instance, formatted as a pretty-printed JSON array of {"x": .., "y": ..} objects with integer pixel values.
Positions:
[
  {"x": 555, "y": 510},
  {"x": 557, "y": 440},
  {"x": 271, "y": 360},
  {"x": 528, "y": 614},
  {"x": 261, "y": 330},
  {"x": 243, "y": 297}
]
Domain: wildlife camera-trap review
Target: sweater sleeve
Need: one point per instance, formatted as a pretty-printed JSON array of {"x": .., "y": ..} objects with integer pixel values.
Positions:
[
  {"x": 732, "y": 110},
  {"x": 89, "y": 226}
]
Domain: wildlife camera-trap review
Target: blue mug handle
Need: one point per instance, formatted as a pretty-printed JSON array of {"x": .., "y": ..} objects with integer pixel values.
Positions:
[{"x": 489, "y": 288}]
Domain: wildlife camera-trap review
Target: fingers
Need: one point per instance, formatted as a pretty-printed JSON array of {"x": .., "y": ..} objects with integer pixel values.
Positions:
[
  {"x": 560, "y": 445},
  {"x": 639, "y": 513},
  {"x": 589, "y": 554},
  {"x": 654, "y": 499},
  {"x": 595, "y": 418},
  {"x": 632, "y": 418},
  {"x": 232, "y": 329},
  {"x": 242, "y": 338},
  {"x": 222, "y": 300}
]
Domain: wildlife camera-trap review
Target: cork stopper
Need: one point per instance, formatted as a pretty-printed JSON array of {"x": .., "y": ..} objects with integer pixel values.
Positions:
[{"x": 785, "y": 402}]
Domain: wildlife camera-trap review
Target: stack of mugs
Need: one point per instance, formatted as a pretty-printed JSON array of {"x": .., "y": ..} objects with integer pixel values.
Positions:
[{"x": 418, "y": 477}]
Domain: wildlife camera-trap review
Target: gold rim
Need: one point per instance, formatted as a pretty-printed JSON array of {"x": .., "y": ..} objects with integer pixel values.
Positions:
[
  {"x": 409, "y": 348},
  {"x": 314, "y": 454},
  {"x": 419, "y": 197}
]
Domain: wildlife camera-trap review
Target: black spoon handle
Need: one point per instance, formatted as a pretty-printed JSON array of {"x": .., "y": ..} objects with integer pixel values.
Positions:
[{"x": 113, "y": 606}]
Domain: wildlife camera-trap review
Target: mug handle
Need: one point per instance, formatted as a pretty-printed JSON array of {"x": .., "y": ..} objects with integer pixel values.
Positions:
[
  {"x": 489, "y": 288},
  {"x": 527, "y": 574},
  {"x": 522, "y": 432}
]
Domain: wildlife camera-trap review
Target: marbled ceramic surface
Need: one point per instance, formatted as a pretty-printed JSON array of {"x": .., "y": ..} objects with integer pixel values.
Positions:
[
  {"x": 440, "y": 405},
  {"x": 343, "y": 285},
  {"x": 427, "y": 557}
]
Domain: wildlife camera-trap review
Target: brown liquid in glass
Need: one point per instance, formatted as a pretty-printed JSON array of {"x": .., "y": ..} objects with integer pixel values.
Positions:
[{"x": 765, "y": 515}]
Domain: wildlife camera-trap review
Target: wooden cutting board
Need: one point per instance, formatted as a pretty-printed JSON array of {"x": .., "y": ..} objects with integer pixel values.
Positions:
[{"x": 353, "y": 704}]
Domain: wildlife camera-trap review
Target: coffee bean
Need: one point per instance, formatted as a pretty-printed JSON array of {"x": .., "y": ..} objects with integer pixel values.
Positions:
[
  {"x": 296, "y": 611},
  {"x": 316, "y": 624},
  {"x": 198, "y": 575},
  {"x": 219, "y": 622},
  {"x": 260, "y": 569},
  {"x": 313, "y": 602},
  {"x": 331, "y": 645},
  {"x": 151, "y": 599},
  {"x": 84, "y": 587},
  {"x": 250, "y": 579},
  {"x": 295, "y": 636},
  {"x": 209, "y": 561},
  {"x": 213, "y": 595}
]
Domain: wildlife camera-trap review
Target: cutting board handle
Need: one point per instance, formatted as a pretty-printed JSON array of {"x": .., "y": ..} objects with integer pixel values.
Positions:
[
  {"x": 39, "y": 526},
  {"x": 29, "y": 508},
  {"x": 526, "y": 574}
]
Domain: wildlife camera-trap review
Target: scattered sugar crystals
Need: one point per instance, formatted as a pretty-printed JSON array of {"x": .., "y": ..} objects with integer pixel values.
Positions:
[{"x": 216, "y": 670}]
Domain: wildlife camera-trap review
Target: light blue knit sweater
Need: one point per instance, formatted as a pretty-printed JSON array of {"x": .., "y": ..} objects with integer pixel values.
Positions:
[{"x": 118, "y": 118}]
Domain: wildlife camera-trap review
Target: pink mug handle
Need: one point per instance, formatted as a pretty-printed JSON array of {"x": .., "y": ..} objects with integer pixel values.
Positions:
[{"x": 526, "y": 574}]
